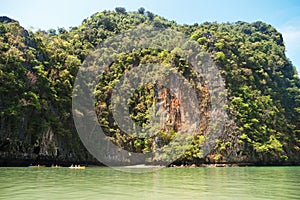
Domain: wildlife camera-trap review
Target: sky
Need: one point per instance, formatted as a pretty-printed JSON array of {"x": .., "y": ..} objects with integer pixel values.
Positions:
[{"x": 284, "y": 15}]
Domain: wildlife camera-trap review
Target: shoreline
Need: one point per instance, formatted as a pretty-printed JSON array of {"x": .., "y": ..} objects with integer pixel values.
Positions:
[
  {"x": 21, "y": 161},
  {"x": 146, "y": 166}
]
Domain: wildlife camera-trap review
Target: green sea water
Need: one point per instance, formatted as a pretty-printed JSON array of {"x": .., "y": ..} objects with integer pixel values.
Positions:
[{"x": 167, "y": 183}]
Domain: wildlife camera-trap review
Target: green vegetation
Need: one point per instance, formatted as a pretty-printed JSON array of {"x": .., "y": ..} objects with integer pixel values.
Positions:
[{"x": 38, "y": 70}]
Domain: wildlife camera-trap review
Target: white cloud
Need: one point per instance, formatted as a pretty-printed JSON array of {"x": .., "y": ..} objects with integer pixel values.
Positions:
[
  {"x": 291, "y": 33},
  {"x": 291, "y": 38}
]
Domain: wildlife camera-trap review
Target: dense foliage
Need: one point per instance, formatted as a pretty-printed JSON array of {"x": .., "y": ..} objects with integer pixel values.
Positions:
[{"x": 38, "y": 70}]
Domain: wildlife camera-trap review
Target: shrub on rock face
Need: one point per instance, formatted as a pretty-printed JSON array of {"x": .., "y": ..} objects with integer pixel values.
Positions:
[
  {"x": 120, "y": 10},
  {"x": 141, "y": 10}
]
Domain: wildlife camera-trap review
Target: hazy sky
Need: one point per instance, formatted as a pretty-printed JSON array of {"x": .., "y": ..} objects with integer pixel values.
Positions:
[{"x": 46, "y": 14}]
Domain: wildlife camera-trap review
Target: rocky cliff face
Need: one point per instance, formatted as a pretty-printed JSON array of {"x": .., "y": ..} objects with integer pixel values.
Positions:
[
  {"x": 37, "y": 73},
  {"x": 28, "y": 133}
]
